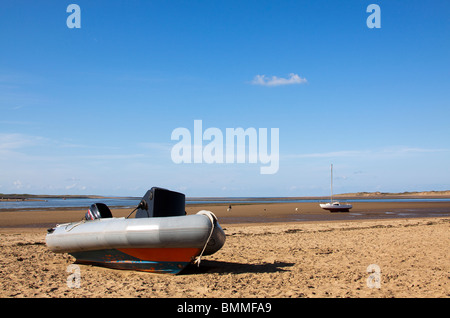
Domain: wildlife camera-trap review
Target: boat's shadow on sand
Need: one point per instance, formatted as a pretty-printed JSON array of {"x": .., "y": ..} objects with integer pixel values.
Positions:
[{"x": 208, "y": 267}]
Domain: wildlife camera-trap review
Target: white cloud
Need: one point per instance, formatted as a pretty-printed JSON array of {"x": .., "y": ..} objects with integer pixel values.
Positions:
[
  {"x": 165, "y": 147},
  {"x": 344, "y": 153},
  {"x": 111, "y": 156},
  {"x": 391, "y": 151},
  {"x": 75, "y": 186},
  {"x": 17, "y": 184},
  {"x": 15, "y": 141},
  {"x": 71, "y": 186},
  {"x": 11, "y": 145},
  {"x": 277, "y": 81}
]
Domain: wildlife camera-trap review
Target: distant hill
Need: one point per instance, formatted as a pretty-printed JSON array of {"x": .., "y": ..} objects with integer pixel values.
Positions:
[
  {"x": 437, "y": 194},
  {"x": 356, "y": 195},
  {"x": 24, "y": 196}
]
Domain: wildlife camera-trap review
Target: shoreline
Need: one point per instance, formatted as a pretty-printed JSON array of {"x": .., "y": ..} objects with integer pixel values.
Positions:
[
  {"x": 234, "y": 201},
  {"x": 245, "y": 213},
  {"x": 357, "y": 195}
]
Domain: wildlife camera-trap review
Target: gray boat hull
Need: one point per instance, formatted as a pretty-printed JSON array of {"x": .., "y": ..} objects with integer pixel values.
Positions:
[{"x": 159, "y": 244}]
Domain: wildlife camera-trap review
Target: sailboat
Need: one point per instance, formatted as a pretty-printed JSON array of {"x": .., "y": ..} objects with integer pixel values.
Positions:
[{"x": 335, "y": 206}]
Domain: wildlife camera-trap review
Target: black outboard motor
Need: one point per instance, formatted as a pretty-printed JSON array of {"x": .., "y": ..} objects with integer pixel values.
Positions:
[
  {"x": 159, "y": 202},
  {"x": 98, "y": 211}
]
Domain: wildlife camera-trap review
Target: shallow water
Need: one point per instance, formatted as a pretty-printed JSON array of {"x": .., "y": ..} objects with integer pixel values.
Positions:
[
  {"x": 55, "y": 203},
  {"x": 339, "y": 216}
]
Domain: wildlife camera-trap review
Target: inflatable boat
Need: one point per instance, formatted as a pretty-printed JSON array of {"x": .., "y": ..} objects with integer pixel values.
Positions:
[{"x": 161, "y": 238}]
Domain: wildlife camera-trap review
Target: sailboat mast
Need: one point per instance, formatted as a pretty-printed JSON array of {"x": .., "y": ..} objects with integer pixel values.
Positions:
[{"x": 331, "y": 183}]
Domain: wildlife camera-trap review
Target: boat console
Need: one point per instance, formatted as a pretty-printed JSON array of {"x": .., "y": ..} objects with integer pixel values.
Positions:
[{"x": 159, "y": 202}]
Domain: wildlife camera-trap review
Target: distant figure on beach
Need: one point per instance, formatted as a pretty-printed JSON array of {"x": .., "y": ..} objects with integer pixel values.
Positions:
[{"x": 229, "y": 208}]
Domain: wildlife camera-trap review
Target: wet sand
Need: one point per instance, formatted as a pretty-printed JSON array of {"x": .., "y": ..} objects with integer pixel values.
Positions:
[
  {"x": 311, "y": 211},
  {"x": 248, "y": 213},
  {"x": 268, "y": 253}
]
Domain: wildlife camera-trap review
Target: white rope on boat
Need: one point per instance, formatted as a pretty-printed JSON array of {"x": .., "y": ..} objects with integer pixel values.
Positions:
[
  {"x": 212, "y": 218},
  {"x": 74, "y": 225}
]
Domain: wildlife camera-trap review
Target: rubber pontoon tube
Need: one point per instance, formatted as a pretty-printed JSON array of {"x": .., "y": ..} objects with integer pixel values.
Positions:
[{"x": 213, "y": 220}]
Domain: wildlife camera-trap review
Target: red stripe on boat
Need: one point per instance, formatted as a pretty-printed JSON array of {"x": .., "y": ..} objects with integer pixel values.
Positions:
[{"x": 162, "y": 254}]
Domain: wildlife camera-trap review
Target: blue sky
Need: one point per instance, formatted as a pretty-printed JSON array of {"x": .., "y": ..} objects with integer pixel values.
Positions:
[{"x": 91, "y": 110}]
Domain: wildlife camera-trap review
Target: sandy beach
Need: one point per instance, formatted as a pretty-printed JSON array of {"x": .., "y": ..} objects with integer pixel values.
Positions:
[{"x": 272, "y": 250}]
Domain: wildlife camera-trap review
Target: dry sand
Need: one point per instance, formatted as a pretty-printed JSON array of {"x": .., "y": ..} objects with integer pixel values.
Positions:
[{"x": 279, "y": 259}]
